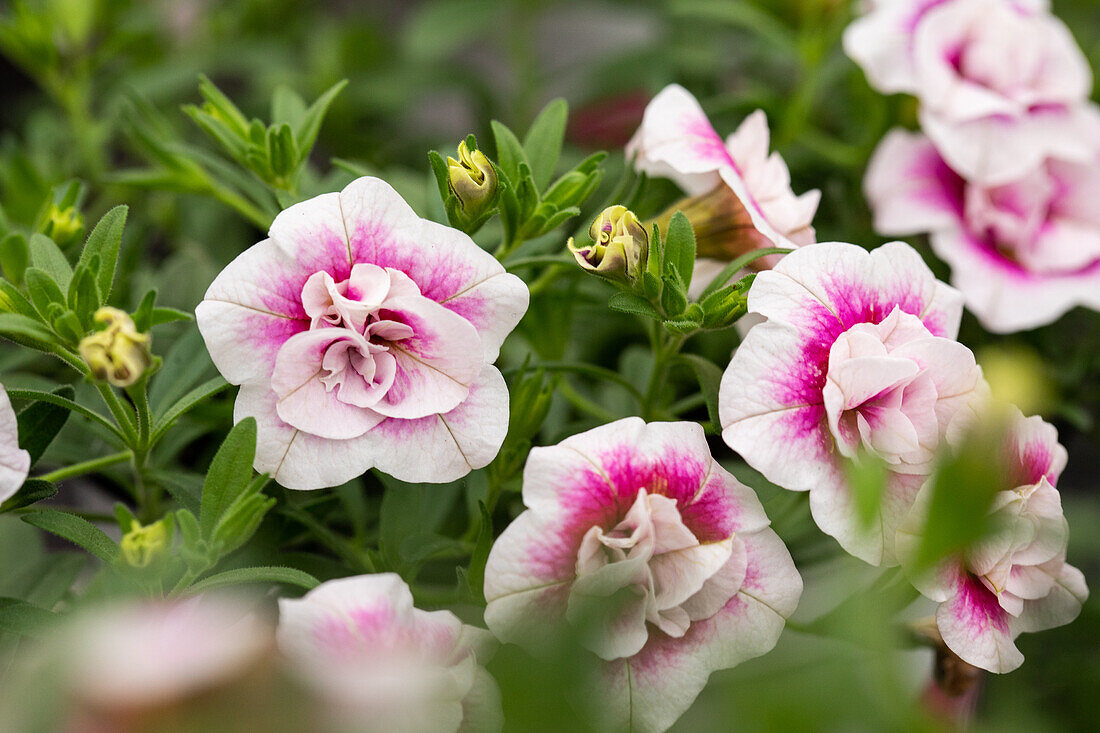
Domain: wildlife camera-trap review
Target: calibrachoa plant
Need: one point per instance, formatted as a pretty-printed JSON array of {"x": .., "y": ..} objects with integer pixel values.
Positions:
[{"x": 535, "y": 436}]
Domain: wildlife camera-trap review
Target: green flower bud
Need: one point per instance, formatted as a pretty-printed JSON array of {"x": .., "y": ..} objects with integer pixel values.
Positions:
[
  {"x": 472, "y": 179},
  {"x": 64, "y": 226},
  {"x": 619, "y": 248},
  {"x": 142, "y": 544},
  {"x": 723, "y": 227},
  {"x": 118, "y": 353}
]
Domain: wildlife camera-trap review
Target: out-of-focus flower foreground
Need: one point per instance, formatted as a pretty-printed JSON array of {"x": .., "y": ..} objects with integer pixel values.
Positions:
[{"x": 539, "y": 366}]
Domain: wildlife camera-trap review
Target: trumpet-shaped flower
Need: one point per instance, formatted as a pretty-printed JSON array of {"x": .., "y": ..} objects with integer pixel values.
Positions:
[
  {"x": 1002, "y": 84},
  {"x": 1022, "y": 253},
  {"x": 1015, "y": 579},
  {"x": 15, "y": 462},
  {"x": 677, "y": 141},
  {"x": 857, "y": 356},
  {"x": 385, "y": 665},
  {"x": 660, "y": 558},
  {"x": 363, "y": 336}
]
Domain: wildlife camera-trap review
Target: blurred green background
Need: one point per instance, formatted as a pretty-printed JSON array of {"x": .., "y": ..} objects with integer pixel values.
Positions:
[{"x": 82, "y": 78}]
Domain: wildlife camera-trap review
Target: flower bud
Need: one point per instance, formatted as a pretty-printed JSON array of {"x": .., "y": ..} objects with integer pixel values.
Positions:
[
  {"x": 620, "y": 246},
  {"x": 64, "y": 226},
  {"x": 142, "y": 544},
  {"x": 472, "y": 180},
  {"x": 723, "y": 228},
  {"x": 118, "y": 353}
]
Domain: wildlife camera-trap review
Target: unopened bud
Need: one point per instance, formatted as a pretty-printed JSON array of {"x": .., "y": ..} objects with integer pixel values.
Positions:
[
  {"x": 142, "y": 544},
  {"x": 64, "y": 226},
  {"x": 619, "y": 248},
  {"x": 118, "y": 354},
  {"x": 472, "y": 180},
  {"x": 723, "y": 227}
]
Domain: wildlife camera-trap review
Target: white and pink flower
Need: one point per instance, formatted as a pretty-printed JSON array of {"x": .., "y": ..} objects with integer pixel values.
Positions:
[
  {"x": 385, "y": 665},
  {"x": 1016, "y": 579},
  {"x": 15, "y": 462},
  {"x": 1022, "y": 253},
  {"x": 1002, "y": 83},
  {"x": 658, "y": 556},
  {"x": 857, "y": 355},
  {"x": 363, "y": 336},
  {"x": 677, "y": 141}
]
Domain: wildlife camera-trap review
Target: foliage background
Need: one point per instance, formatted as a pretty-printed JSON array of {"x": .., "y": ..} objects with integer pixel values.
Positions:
[{"x": 424, "y": 74}]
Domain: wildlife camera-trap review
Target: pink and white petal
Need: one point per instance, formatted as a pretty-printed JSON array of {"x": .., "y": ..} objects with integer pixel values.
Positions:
[
  {"x": 607, "y": 609},
  {"x": 481, "y": 708},
  {"x": 1000, "y": 149},
  {"x": 304, "y": 401},
  {"x": 253, "y": 306},
  {"x": 910, "y": 188},
  {"x": 1034, "y": 450},
  {"x": 677, "y": 141},
  {"x": 733, "y": 178},
  {"x": 15, "y": 463},
  {"x": 771, "y": 410},
  {"x": 937, "y": 583},
  {"x": 445, "y": 447},
  {"x": 312, "y": 234},
  {"x": 722, "y": 586},
  {"x": 436, "y": 365},
  {"x": 723, "y": 506},
  {"x": 823, "y": 289},
  {"x": 1059, "y": 607},
  {"x": 1005, "y": 297},
  {"x": 336, "y": 617},
  {"x": 833, "y": 508},
  {"x": 881, "y": 43},
  {"x": 953, "y": 370},
  {"x": 296, "y": 459},
  {"x": 975, "y": 627},
  {"x": 527, "y": 581},
  {"x": 655, "y": 687},
  {"x": 446, "y": 264}
]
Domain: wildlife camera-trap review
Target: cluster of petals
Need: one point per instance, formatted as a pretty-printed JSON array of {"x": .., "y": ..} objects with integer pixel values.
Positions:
[
  {"x": 676, "y": 141},
  {"x": 1015, "y": 579},
  {"x": 1002, "y": 84},
  {"x": 15, "y": 462},
  {"x": 856, "y": 356},
  {"x": 1022, "y": 253},
  {"x": 662, "y": 563},
  {"x": 386, "y": 666},
  {"x": 363, "y": 336}
]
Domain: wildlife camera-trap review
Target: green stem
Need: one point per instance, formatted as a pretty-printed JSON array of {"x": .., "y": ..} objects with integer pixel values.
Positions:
[
  {"x": 665, "y": 346},
  {"x": 122, "y": 416},
  {"x": 589, "y": 370},
  {"x": 242, "y": 205},
  {"x": 584, "y": 404},
  {"x": 79, "y": 469}
]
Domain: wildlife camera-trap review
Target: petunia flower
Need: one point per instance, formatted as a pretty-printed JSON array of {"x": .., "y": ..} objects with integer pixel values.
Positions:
[
  {"x": 141, "y": 655},
  {"x": 1022, "y": 253},
  {"x": 1016, "y": 579},
  {"x": 661, "y": 560},
  {"x": 15, "y": 462},
  {"x": 742, "y": 198},
  {"x": 1002, "y": 84},
  {"x": 385, "y": 665},
  {"x": 857, "y": 356},
  {"x": 363, "y": 336}
]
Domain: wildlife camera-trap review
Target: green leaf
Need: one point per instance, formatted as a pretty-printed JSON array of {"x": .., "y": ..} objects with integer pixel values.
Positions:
[
  {"x": 47, "y": 256},
  {"x": 80, "y": 532},
  {"x": 13, "y": 301},
  {"x": 633, "y": 304},
  {"x": 143, "y": 316},
  {"x": 43, "y": 290},
  {"x": 542, "y": 144},
  {"x": 185, "y": 364},
  {"x": 57, "y": 399},
  {"x": 104, "y": 242},
  {"x": 867, "y": 477},
  {"x": 305, "y": 135},
  {"x": 237, "y": 122},
  {"x": 737, "y": 265},
  {"x": 656, "y": 262},
  {"x": 409, "y": 509},
  {"x": 83, "y": 296},
  {"x": 287, "y": 106},
  {"x": 168, "y": 315},
  {"x": 40, "y": 422},
  {"x": 509, "y": 153},
  {"x": 33, "y": 490},
  {"x": 203, "y": 392},
  {"x": 23, "y": 619},
  {"x": 674, "y": 292},
  {"x": 710, "y": 377},
  {"x": 475, "y": 575},
  {"x": 23, "y": 330},
  {"x": 14, "y": 256},
  {"x": 261, "y": 574},
  {"x": 680, "y": 247},
  {"x": 229, "y": 475}
]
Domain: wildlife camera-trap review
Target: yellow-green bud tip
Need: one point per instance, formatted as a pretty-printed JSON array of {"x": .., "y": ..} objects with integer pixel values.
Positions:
[
  {"x": 619, "y": 248},
  {"x": 118, "y": 354},
  {"x": 142, "y": 544},
  {"x": 471, "y": 178}
]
